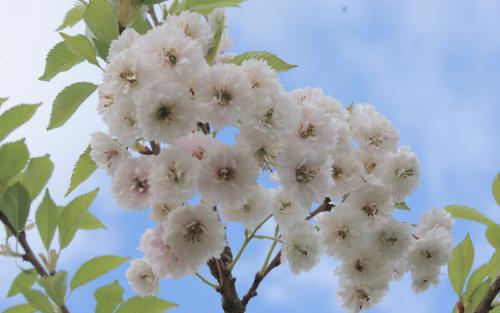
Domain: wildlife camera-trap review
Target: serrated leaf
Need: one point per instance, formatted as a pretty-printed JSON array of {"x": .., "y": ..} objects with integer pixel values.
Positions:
[
  {"x": 46, "y": 219},
  {"x": 101, "y": 20},
  {"x": 13, "y": 158},
  {"x": 38, "y": 300},
  {"x": 70, "y": 217},
  {"x": 272, "y": 60},
  {"x": 402, "y": 206},
  {"x": 16, "y": 116},
  {"x": 90, "y": 222},
  {"x": 55, "y": 286},
  {"x": 493, "y": 235},
  {"x": 206, "y": 6},
  {"x": 478, "y": 276},
  {"x": 16, "y": 206},
  {"x": 23, "y": 280},
  {"x": 83, "y": 169},
  {"x": 36, "y": 175},
  {"x": 463, "y": 212},
  {"x": 108, "y": 297},
  {"x": 58, "y": 60},
  {"x": 145, "y": 305},
  {"x": 68, "y": 101},
  {"x": 495, "y": 188},
  {"x": 72, "y": 17},
  {"x": 81, "y": 46},
  {"x": 20, "y": 308},
  {"x": 214, "y": 49},
  {"x": 460, "y": 264},
  {"x": 94, "y": 268}
]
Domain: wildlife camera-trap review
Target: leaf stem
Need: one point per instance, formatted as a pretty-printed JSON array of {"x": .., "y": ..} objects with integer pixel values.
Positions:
[
  {"x": 271, "y": 250},
  {"x": 247, "y": 241},
  {"x": 206, "y": 281}
]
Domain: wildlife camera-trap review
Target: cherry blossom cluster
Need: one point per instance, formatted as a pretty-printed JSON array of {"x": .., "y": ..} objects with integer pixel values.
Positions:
[{"x": 164, "y": 104}]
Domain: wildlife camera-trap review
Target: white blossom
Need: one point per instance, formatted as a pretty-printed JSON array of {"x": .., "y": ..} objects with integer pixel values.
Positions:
[
  {"x": 106, "y": 152},
  {"x": 141, "y": 278},
  {"x": 356, "y": 297},
  {"x": 195, "y": 234},
  {"x": 286, "y": 209},
  {"x": 253, "y": 211},
  {"x": 227, "y": 176},
  {"x": 131, "y": 184},
  {"x": 301, "y": 248},
  {"x": 194, "y": 26},
  {"x": 435, "y": 218}
]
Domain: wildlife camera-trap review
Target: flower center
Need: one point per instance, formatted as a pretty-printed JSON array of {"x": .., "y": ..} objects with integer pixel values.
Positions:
[
  {"x": 300, "y": 249},
  {"x": 343, "y": 232},
  {"x": 223, "y": 97},
  {"x": 362, "y": 296},
  {"x": 403, "y": 173},
  {"x": 169, "y": 55},
  {"x": 140, "y": 184},
  {"x": 226, "y": 174},
  {"x": 164, "y": 113},
  {"x": 175, "y": 176},
  {"x": 307, "y": 131},
  {"x": 388, "y": 239},
  {"x": 377, "y": 139},
  {"x": 336, "y": 172},
  {"x": 370, "y": 209},
  {"x": 304, "y": 175},
  {"x": 193, "y": 231},
  {"x": 360, "y": 266},
  {"x": 268, "y": 117},
  {"x": 426, "y": 254},
  {"x": 128, "y": 75},
  {"x": 285, "y": 205}
]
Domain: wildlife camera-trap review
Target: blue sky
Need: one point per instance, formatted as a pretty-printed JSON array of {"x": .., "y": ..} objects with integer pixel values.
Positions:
[{"x": 431, "y": 67}]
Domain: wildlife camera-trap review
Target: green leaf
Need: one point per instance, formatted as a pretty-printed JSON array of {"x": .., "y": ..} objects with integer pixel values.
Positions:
[
  {"x": 460, "y": 264},
  {"x": 94, "y": 268},
  {"x": 101, "y": 20},
  {"x": 145, "y": 305},
  {"x": 89, "y": 222},
  {"x": 108, "y": 297},
  {"x": 23, "y": 280},
  {"x": 207, "y": 6},
  {"x": 102, "y": 49},
  {"x": 272, "y": 60},
  {"x": 493, "y": 235},
  {"x": 68, "y": 101},
  {"x": 81, "y": 46},
  {"x": 139, "y": 22},
  {"x": 38, "y": 300},
  {"x": 3, "y": 100},
  {"x": 83, "y": 169},
  {"x": 13, "y": 158},
  {"x": 70, "y": 217},
  {"x": 55, "y": 286},
  {"x": 20, "y": 308},
  {"x": 72, "y": 17},
  {"x": 153, "y": 1},
  {"x": 477, "y": 296},
  {"x": 16, "y": 116},
  {"x": 495, "y": 188},
  {"x": 214, "y": 49},
  {"x": 37, "y": 174},
  {"x": 402, "y": 206},
  {"x": 46, "y": 219},
  {"x": 59, "y": 59},
  {"x": 16, "y": 205},
  {"x": 478, "y": 276},
  {"x": 463, "y": 212}
]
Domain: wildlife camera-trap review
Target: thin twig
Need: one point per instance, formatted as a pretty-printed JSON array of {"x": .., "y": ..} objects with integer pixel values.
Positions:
[
  {"x": 152, "y": 13},
  {"x": 486, "y": 304},
  {"x": 28, "y": 255}
]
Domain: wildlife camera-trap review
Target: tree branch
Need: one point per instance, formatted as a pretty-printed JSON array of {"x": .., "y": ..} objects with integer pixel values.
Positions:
[
  {"x": 28, "y": 255},
  {"x": 259, "y": 276},
  {"x": 485, "y": 305}
]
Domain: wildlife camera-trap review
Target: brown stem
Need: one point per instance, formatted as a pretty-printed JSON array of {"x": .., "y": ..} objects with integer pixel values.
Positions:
[
  {"x": 460, "y": 307},
  {"x": 485, "y": 305},
  {"x": 28, "y": 255},
  {"x": 231, "y": 302}
]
